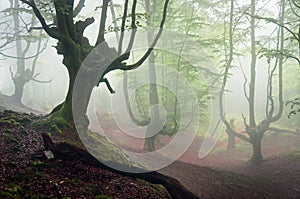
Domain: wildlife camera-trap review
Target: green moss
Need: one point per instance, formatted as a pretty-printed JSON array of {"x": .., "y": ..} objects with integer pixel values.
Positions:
[
  {"x": 54, "y": 128},
  {"x": 12, "y": 191},
  {"x": 12, "y": 139},
  {"x": 38, "y": 164},
  {"x": 8, "y": 131},
  {"x": 7, "y": 195},
  {"x": 13, "y": 164},
  {"x": 75, "y": 143},
  {"x": 93, "y": 191},
  {"x": 4, "y": 122},
  {"x": 25, "y": 120},
  {"x": 103, "y": 149},
  {"x": 103, "y": 197},
  {"x": 155, "y": 188},
  {"x": 40, "y": 196},
  {"x": 56, "y": 123}
]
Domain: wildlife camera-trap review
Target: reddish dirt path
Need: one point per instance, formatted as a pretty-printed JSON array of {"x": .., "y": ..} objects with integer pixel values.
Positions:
[{"x": 282, "y": 171}]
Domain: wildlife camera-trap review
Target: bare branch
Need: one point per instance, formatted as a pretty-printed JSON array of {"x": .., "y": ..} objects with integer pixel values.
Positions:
[
  {"x": 245, "y": 81},
  {"x": 38, "y": 28},
  {"x": 105, "y": 80},
  {"x": 293, "y": 57},
  {"x": 38, "y": 50},
  {"x": 113, "y": 14},
  {"x": 278, "y": 130},
  {"x": 123, "y": 27},
  {"x": 241, "y": 136},
  {"x": 280, "y": 65},
  {"x": 102, "y": 22},
  {"x": 50, "y": 31},
  {"x": 11, "y": 72},
  {"x": 150, "y": 49},
  {"x": 133, "y": 26},
  {"x": 29, "y": 57},
  {"x": 245, "y": 122},
  {"x": 271, "y": 20},
  {"x": 78, "y": 8},
  {"x": 41, "y": 81}
]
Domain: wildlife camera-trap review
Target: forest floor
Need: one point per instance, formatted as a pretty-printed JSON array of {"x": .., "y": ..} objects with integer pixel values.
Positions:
[
  {"x": 25, "y": 173},
  {"x": 229, "y": 174}
]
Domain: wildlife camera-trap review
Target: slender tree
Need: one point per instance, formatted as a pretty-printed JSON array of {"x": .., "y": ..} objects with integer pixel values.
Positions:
[{"x": 254, "y": 131}]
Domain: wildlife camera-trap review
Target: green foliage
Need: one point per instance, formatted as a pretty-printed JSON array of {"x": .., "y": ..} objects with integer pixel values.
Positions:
[
  {"x": 46, "y": 6},
  {"x": 294, "y": 105},
  {"x": 140, "y": 22}
]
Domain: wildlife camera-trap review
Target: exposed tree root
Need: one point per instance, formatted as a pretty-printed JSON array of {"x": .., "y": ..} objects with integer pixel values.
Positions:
[
  {"x": 67, "y": 151},
  {"x": 56, "y": 122}
]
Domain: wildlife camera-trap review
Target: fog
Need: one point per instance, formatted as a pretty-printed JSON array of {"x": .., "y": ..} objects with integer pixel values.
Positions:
[{"x": 43, "y": 97}]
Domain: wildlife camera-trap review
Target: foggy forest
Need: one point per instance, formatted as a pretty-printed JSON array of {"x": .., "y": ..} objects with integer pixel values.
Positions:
[{"x": 149, "y": 99}]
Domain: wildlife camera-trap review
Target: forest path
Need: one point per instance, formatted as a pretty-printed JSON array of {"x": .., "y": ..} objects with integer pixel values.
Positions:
[{"x": 225, "y": 174}]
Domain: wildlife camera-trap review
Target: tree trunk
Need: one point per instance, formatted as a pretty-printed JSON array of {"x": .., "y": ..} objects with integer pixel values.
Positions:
[
  {"x": 256, "y": 145},
  {"x": 19, "y": 83},
  {"x": 65, "y": 110},
  {"x": 19, "y": 76},
  {"x": 149, "y": 144},
  {"x": 231, "y": 140}
]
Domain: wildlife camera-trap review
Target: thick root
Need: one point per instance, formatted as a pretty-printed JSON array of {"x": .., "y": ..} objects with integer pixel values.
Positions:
[{"x": 56, "y": 122}]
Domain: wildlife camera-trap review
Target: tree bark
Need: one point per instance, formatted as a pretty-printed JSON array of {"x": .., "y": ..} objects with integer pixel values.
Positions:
[
  {"x": 256, "y": 146},
  {"x": 231, "y": 140}
]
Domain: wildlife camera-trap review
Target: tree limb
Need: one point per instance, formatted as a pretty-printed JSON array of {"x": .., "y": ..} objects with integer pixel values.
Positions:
[
  {"x": 150, "y": 49},
  {"x": 123, "y": 27},
  {"x": 78, "y": 8},
  {"x": 50, "y": 31},
  {"x": 133, "y": 26},
  {"x": 278, "y": 130},
  {"x": 271, "y": 20},
  {"x": 293, "y": 57},
  {"x": 41, "y": 81},
  {"x": 105, "y": 80},
  {"x": 102, "y": 22}
]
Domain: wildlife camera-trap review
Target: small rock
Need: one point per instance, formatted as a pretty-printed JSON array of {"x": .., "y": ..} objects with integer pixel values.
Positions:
[{"x": 49, "y": 155}]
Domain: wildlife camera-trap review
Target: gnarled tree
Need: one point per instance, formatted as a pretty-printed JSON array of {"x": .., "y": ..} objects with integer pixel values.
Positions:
[{"x": 75, "y": 47}]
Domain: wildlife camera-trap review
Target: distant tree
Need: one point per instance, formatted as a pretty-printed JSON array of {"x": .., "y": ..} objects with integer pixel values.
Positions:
[
  {"x": 23, "y": 73},
  {"x": 154, "y": 94},
  {"x": 254, "y": 131}
]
